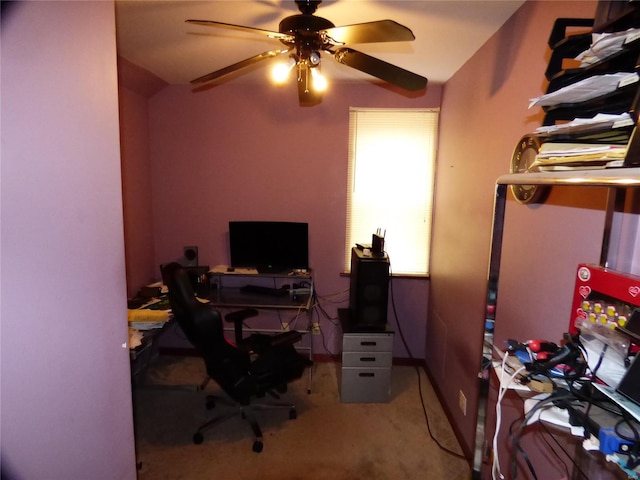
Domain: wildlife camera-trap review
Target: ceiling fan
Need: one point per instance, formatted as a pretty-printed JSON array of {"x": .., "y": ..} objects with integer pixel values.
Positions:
[{"x": 306, "y": 35}]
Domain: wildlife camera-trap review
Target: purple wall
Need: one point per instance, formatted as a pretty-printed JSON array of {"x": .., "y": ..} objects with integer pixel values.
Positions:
[
  {"x": 241, "y": 151},
  {"x": 484, "y": 115},
  {"x": 66, "y": 395},
  {"x": 136, "y": 85},
  {"x": 236, "y": 152}
]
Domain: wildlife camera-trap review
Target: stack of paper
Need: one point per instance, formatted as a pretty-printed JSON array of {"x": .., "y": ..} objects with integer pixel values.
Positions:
[
  {"x": 135, "y": 338},
  {"x": 586, "y": 89},
  {"x": 600, "y": 121},
  {"x": 562, "y": 156},
  {"x": 143, "y": 319},
  {"x": 604, "y": 45}
]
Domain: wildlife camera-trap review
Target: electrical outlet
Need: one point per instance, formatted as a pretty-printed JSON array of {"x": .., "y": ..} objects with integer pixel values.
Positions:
[
  {"x": 315, "y": 328},
  {"x": 462, "y": 403}
]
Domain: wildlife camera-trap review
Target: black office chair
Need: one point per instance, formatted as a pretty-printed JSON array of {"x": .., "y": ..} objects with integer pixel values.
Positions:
[{"x": 254, "y": 367}]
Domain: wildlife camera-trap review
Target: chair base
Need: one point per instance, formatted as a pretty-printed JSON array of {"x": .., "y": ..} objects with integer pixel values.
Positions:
[{"x": 247, "y": 412}]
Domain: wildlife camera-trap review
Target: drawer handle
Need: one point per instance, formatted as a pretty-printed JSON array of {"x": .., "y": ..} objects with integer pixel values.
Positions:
[
  {"x": 366, "y": 374},
  {"x": 367, "y": 359},
  {"x": 368, "y": 344}
]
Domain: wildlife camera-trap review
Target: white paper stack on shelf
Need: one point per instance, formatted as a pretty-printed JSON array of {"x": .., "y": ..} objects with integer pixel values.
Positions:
[
  {"x": 599, "y": 121},
  {"x": 604, "y": 45},
  {"x": 578, "y": 156},
  {"x": 586, "y": 89}
]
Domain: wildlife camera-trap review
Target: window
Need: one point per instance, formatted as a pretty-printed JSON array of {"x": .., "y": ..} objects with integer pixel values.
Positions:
[{"x": 390, "y": 187}]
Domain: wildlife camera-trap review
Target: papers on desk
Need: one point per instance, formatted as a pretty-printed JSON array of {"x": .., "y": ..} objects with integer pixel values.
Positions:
[
  {"x": 586, "y": 89},
  {"x": 163, "y": 288},
  {"x": 135, "y": 338},
  {"x": 144, "y": 319}
]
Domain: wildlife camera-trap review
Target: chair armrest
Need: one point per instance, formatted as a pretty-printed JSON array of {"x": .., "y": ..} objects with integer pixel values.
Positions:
[
  {"x": 241, "y": 315},
  {"x": 237, "y": 318}
]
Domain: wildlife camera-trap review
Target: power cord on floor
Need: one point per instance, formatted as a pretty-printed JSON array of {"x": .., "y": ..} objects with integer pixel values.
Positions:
[
  {"x": 318, "y": 309},
  {"x": 413, "y": 362}
]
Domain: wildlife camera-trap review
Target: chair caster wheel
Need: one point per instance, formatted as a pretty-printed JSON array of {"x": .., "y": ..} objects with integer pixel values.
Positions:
[
  {"x": 257, "y": 446},
  {"x": 293, "y": 414},
  {"x": 210, "y": 403},
  {"x": 198, "y": 438}
]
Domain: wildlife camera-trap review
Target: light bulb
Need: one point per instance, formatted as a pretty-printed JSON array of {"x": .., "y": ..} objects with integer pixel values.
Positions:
[
  {"x": 319, "y": 82},
  {"x": 314, "y": 58},
  {"x": 281, "y": 70}
]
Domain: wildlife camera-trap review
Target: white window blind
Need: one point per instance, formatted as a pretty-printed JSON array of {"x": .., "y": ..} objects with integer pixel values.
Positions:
[{"x": 390, "y": 186}]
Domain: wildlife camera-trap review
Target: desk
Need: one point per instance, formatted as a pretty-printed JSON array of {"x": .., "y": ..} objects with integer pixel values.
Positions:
[
  {"x": 226, "y": 290},
  {"x": 226, "y": 293},
  {"x": 230, "y": 297},
  {"x": 142, "y": 355},
  {"x": 152, "y": 324}
]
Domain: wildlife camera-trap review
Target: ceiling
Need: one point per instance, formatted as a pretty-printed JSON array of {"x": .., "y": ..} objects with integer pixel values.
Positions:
[{"x": 154, "y": 35}]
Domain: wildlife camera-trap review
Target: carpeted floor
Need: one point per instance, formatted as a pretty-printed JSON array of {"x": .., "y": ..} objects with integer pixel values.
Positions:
[{"x": 329, "y": 440}]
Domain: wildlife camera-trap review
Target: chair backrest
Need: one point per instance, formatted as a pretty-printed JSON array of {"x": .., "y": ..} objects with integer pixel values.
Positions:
[{"x": 202, "y": 324}]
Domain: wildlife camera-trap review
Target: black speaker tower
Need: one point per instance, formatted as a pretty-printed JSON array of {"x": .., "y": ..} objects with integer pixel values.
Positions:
[{"x": 369, "y": 292}]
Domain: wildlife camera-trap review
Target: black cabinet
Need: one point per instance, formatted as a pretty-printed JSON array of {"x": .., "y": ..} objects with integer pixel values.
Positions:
[{"x": 369, "y": 290}]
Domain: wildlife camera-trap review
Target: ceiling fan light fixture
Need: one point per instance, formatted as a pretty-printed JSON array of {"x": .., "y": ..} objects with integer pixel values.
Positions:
[
  {"x": 319, "y": 80},
  {"x": 314, "y": 58},
  {"x": 280, "y": 71},
  {"x": 308, "y": 36}
]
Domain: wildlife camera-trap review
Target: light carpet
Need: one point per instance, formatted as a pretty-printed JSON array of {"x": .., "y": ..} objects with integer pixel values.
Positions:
[{"x": 328, "y": 440}]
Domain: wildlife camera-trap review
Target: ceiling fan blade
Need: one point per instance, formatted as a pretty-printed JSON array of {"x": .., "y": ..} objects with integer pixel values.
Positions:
[
  {"x": 237, "y": 66},
  {"x": 370, "y": 32},
  {"x": 380, "y": 69},
  {"x": 268, "y": 33}
]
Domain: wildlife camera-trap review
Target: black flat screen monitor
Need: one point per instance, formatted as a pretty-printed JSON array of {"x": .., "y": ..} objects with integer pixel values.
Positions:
[{"x": 270, "y": 247}]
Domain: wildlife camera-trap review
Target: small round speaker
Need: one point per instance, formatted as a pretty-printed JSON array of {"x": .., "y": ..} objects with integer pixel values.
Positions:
[{"x": 190, "y": 256}]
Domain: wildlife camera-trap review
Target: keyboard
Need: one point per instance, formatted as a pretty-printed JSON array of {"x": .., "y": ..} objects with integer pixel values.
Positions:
[{"x": 257, "y": 289}]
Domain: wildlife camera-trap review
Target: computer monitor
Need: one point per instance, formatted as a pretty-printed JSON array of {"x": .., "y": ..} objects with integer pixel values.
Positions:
[{"x": 269, "y": 247}]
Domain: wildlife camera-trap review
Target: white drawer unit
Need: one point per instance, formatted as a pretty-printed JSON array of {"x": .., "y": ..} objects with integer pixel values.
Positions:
[{"x": 366, "y": 367}]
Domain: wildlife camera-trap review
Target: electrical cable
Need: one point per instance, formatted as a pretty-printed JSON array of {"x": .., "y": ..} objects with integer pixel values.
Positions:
[
  {"x": 413, "y": 361},
  {"x": 317, "y": 308},
  {"x": 553, "y": 451},
  {"x": 626, "y": 420},
  {"x": 556, "y": 396},
  {"x": 504, "y": 387},
  {"x": 578, "y": 375}
]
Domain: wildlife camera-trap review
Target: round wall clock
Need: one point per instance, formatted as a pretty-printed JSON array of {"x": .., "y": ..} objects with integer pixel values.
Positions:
[{"x": 523, "y": 157}]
